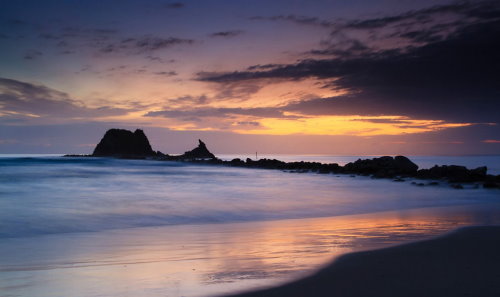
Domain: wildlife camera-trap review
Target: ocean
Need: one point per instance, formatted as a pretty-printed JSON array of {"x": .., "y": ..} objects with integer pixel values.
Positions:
[{"x": 110, "y": 227}]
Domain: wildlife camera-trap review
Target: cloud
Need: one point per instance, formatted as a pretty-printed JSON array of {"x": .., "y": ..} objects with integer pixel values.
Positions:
[
  {"x": 346, "y": 48},
  {"x": 412, "y": 28},
  {"x": 491, "y": 141},
  {"x": 175, "y": 5},
  {"x": 227, "y": 34},
  {"x": 262, "y": 112},
  {"x": 297, "y": 19},
  {"x": 143, "y": 44},
  {"x": 263, "y": 67},
  {"x": 158, "y": 59},
  {"x": 110, "y": 41},
  {"x": 22, "y": 100},
  {"x": 16, "y": 22},
  {"x": 470, "y": 9},
  {"x": 32, "y": 54},
  {"x": 190, "y": 100},
  {"x": 248, "y": 123},
  {"x": 166, "y": 73},
  {"x": 385, "y": 120},
  {"x": 454, "y": 78}
]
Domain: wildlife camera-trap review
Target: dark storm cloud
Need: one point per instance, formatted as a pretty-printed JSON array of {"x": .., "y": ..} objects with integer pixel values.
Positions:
[
  {"x": 227, "y": 34},
  {"x": 455, "y": 78},
  {"x": 26, "y": 100}
]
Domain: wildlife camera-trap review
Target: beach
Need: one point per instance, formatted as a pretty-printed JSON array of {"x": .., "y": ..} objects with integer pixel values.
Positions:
[
  {"x": 461, "y": 263},
  {"x": 211, "y": 259}
]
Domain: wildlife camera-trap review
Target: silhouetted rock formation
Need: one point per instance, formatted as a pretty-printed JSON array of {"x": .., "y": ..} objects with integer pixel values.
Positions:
[
  {"x": 294, "y": 166},
  {"x": 200, "y": 152},
  {"x": 383, "y": 166},
  {"x": 124, "y": 143},
  {"x": 453, "y": 173}
]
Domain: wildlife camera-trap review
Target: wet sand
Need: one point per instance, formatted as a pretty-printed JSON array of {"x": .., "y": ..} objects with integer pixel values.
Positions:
[
  {"x": 462, "y": 263},
  {"x": 211, "y": 259}
]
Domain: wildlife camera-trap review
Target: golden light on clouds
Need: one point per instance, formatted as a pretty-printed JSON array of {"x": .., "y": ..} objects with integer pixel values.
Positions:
[{"x": 349, "y": 125}]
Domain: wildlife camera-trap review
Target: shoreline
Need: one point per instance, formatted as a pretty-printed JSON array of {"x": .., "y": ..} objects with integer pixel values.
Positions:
[{"x": 463, "y": 262}]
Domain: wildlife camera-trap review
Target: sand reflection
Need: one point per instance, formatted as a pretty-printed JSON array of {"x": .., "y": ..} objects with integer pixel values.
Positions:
[{"x": 205, "y": 260}]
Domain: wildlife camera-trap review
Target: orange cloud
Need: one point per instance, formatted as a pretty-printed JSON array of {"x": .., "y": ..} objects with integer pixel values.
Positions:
[{"x": 348, "y": 125}]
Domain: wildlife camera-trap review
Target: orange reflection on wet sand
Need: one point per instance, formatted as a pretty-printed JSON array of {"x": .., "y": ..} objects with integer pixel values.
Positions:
[{"x": 206, "y": 260}]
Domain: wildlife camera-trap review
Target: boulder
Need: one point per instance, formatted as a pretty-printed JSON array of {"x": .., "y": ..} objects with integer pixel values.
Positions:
[
  {"x": 453, "y": 173},
  {"x": 124, "y": 143},
  {"x": 382, "y": 167},
  {"x": 404, "y": 165}
]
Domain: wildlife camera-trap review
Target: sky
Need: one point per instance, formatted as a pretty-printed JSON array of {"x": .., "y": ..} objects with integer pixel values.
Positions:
[{"x": 343, "y": 77}]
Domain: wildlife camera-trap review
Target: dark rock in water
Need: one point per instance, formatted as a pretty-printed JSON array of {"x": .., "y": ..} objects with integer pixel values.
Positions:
[
  {"x": 453, "y": 173},
  {"x": 404, "y": 165},
  {"x": 237, "y": 162},
  {"x": 383, "y": 167},
  {"x": 200, "y": 152},
  {"x": 491, "y": 185},
  {"x": 124, "y": 143}
]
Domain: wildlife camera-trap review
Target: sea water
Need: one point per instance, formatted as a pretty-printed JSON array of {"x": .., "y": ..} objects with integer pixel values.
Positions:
[{"x": 110, "y": 227}]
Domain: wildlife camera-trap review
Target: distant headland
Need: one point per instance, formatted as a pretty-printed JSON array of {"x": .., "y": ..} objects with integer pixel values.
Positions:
[{"x": 125, "y": 144}]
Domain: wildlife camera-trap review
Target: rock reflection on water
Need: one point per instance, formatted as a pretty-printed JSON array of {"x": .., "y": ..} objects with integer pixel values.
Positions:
[{"x": 206, "y": 260}]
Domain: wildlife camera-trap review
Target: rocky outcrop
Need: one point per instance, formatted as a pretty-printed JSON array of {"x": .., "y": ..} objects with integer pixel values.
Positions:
[
  {"x": 124, "y": 143},
  {"x": 398, "y": 168},
  {"x": 383, "y": 167},
  {"x": 200, "y": 152},
  {"x": 453, "y": 173}
]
